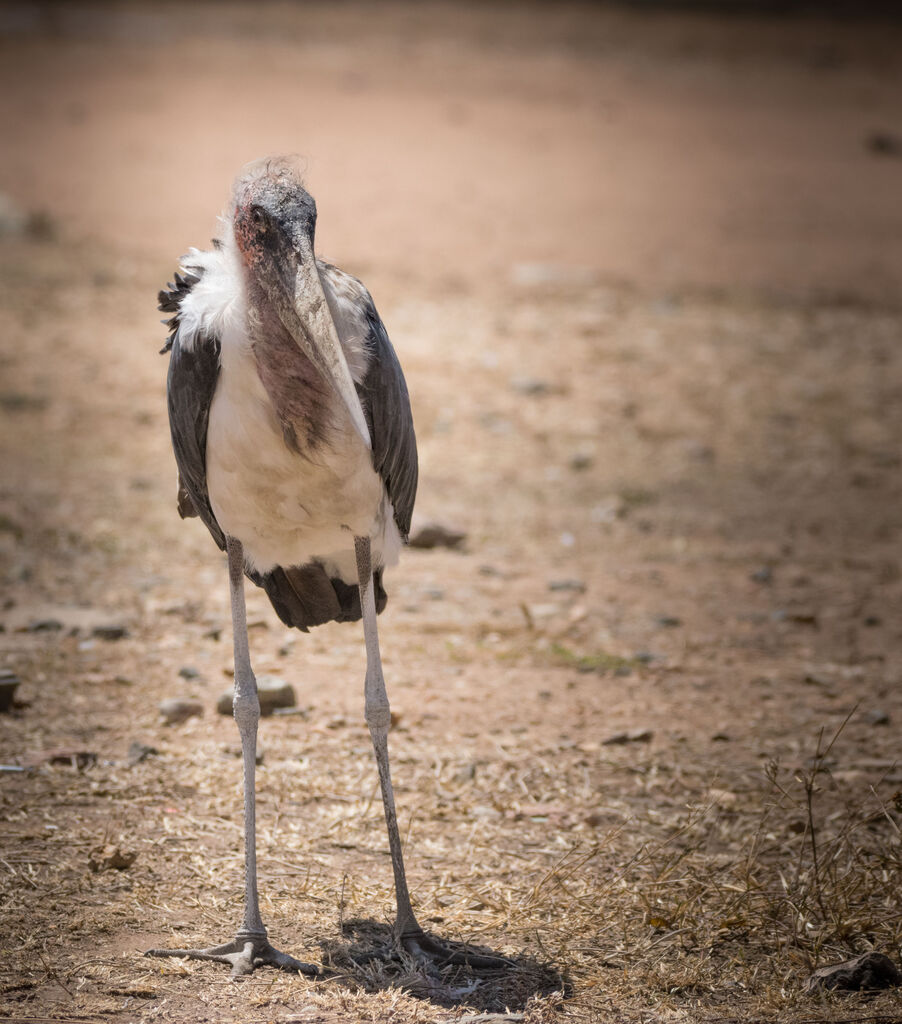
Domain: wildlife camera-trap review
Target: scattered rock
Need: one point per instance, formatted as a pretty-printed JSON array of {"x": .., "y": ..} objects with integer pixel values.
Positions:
[
  {"x": 877, "y": 716},
  {"x": 138, "y": 752},
  {"x": 178, "y": 709},
  {"x": 110, "y": 631},
  {"x": 631, "y": 736},
  {"x": 873, "y": 620},
  {"x": 9, "y": 683},
  {"x": 763, "y": 575},
  {"x": 43, "y": 626},
  {"x": 273, "y": 693},
  {"x": 189, "y": 672},
  {"x": 573, "y": 585},
  {"x": 883, "y": 143},
  {"x": 581, "y": 460},
  {"x": 437, "y": 535},
  {"x": 300, "y": 712},
  {"x": 79, "y": 759},
  {"x": 86, "y": 622},
  {"x": 108, "y": 856},
  {"x": 532, "y": 386},
  {"x": 609, "y": 510},
  {"x": 669, "y": 621},
  {"x": 867, "y": 972},
  {"x": 802, "y": 616},
  {"x": 813, "y": 678}
]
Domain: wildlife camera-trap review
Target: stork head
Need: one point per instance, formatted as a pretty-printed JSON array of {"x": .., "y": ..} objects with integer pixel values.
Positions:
[{"x": 274, "y": 219}]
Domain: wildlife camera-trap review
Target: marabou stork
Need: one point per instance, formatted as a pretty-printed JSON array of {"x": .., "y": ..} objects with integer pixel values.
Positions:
[{"x": 295, "y": 446}]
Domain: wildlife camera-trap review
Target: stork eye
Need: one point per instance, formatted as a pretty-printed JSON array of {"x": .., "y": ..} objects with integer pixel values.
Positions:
[{"x": 258, "y": 217}]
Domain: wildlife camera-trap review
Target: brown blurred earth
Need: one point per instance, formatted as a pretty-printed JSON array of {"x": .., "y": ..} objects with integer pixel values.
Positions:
[{"x": 643, "y": 270}]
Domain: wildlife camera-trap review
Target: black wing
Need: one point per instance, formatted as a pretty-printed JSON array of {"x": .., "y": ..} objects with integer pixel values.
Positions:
[
  {"x": 192, "y": 378},
  {"x": 386, "y": 406}
]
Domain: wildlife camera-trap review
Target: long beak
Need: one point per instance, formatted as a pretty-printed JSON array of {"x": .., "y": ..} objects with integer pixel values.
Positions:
[{"x": 310, "y": 323}]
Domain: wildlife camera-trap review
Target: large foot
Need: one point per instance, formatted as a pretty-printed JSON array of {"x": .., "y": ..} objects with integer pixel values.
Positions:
[
  {"x": 244, "y": 954},
  {"x": 429, "y": 951}
]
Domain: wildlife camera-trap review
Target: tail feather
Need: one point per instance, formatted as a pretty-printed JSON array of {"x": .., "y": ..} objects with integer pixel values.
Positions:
[{"x": 305, "y": 596}]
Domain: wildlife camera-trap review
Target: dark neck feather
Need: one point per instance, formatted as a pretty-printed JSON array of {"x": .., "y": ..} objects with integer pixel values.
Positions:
[{"x": 302, "y": 399}]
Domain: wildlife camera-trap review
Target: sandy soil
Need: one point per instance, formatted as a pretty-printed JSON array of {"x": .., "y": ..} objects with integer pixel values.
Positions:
[{"x": 643, "y": 273}]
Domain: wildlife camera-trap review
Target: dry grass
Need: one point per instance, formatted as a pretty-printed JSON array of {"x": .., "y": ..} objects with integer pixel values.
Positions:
[{"x": 698, "y": 875}]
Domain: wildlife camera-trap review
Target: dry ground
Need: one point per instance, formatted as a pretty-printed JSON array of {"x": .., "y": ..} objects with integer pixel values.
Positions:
[{"x": 643, "y": 274}]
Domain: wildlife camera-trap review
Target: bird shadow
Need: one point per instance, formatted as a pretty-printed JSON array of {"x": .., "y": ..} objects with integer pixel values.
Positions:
[{"x": 367, "y": 954}]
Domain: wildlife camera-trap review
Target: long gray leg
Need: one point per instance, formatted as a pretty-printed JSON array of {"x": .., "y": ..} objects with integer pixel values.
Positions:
[
  {"x": 378, "y": 718},
  {"x": 250, "y": 947}
]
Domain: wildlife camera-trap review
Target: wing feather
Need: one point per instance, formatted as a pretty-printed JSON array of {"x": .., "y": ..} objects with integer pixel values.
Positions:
[{"x": 190, "y": 384}]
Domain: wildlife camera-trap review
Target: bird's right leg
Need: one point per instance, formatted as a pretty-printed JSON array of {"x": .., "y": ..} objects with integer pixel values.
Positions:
[
  {"x": 378, "y": 717},
  {"x": 250, "y": 948}
]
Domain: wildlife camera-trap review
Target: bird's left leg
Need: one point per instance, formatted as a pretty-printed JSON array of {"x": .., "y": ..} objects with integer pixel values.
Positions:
[
  {"x": 250, "y": 948},
  {"x": 378, "y": 717}
]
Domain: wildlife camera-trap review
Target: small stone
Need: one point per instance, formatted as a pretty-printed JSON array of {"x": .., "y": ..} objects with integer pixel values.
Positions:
[
  {"x": 9, "y": 683},
  {"x": 530, "y": 386},
  {"x": 188, "y": 672},
  {"x": 882, "y": 143},
  {"x": 802, "y": 616},
  {"x": 873, "y": 620},
  {"x": 272, "y": 692},
  {"x": 73, "y": 758},
  {"x": 573, "y": 585},
  {"x": 44, "y": 626},
  {"x": 437, "y": 535},
  {"x": 631, "y": 736},
  {"x": 763, "y": 575},
  {"x": 110, "y": 631},
  {"x": 877, "y": 716},
  {"x": 109, "y": 856},
  {"x": 867, "y": 972},
  {"x": 669, "y": 621},
  {"x": 581, "y": 460},
  {"x": 177, "y": 710},
  {"x": 138, "y": 752}
]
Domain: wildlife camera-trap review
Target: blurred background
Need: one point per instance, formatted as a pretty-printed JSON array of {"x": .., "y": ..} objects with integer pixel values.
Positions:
[{"x": 642, "y": 264}]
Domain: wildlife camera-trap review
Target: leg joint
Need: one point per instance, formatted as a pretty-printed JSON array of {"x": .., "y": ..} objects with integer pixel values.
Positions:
[
  {"x": 378, "y": 715},
  {"x": 246, "y": 709}
]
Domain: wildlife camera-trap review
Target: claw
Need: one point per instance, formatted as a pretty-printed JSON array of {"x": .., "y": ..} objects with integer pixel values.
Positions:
[
  {"x": 426, "y": 950},
  {"x": 244, "y": 955}
]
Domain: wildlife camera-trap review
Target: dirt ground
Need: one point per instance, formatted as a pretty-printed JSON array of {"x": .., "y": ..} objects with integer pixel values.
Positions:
[{"x": 643, "y": 272}]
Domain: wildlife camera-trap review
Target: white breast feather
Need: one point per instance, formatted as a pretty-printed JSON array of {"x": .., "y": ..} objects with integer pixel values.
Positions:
[{"x": 284, "y": 508}]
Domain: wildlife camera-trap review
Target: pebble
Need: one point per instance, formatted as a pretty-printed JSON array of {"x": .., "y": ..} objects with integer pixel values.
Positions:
[
  {"x": 188, "y": 672},
  {"x": 669, "y": 621},
  {"x": 272, "y": 691},
  {"x": 9, "y": 683},
  {"x": 111, "y": 631},
  {"x": 138, "y": 752},
  {"x": 437, "y": 535},
  {"x": 532, "y": 386},
  {"x": 109, "y": 856},
  {"x": 177, "y": 710},
  {"x": 573, "y": 585},
  {"x": 631, "y": 736},
  {"x": 877, "y": 716}
]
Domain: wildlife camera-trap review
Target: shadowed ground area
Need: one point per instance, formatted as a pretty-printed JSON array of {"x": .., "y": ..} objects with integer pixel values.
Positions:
[{"x": 643, "y": 273}]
